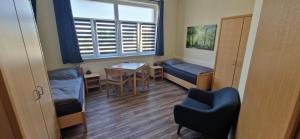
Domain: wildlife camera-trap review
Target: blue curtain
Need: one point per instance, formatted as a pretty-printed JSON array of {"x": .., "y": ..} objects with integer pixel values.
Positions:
[
  {"x": 66, "y": 32},
  {"x": 160, "y": 30},
  {"x": 33, "y": 3}
]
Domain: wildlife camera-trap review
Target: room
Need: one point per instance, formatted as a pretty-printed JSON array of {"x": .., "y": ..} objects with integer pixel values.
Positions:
[{"x": 131, "y": 69}]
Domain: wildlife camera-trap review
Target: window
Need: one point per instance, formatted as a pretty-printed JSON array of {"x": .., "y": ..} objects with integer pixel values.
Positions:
[{"x": 116, "y": 28}]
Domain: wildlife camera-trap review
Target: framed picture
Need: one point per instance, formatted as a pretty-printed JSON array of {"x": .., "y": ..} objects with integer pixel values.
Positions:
[{"x": 201, "y": 37}]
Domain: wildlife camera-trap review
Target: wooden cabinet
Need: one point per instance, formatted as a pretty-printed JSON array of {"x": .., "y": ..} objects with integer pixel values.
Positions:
[
  {"x": 92, "y": 81},
  {"x": 24, "y": 71},
  {"x": 271, "y": 102},
  {"x": 231, "y": 50},
  {"x": 156, "y": 72}
]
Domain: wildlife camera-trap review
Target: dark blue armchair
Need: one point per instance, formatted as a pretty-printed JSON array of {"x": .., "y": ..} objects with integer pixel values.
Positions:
[{"x": 211, "y": 113}]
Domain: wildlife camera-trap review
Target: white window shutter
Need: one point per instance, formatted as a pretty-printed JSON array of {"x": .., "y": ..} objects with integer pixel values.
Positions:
[
  {"x": 129, "y": 35},
  {"x": 106, "y": 37},
  {"x": 84, "y": 35},
  {"x": 148, "y": 34}
]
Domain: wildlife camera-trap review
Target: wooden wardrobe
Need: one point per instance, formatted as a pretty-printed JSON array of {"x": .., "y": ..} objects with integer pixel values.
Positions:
[
  {"x": 24, "y": 74},
  {"x": 271, "y": 103},
  {"x": 297, "y": 135},
  {"x": 231, "y": 50}
]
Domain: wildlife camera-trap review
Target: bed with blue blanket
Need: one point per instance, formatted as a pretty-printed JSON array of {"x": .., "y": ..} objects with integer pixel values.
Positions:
[
  {"x": 67, "y": 87},
  {"x": 187, "y": 74}
]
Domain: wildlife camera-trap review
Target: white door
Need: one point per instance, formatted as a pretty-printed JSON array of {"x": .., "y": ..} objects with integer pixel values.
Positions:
[
  {"x": 36, "y": 60},
  {"x": 17, "y": 74}
]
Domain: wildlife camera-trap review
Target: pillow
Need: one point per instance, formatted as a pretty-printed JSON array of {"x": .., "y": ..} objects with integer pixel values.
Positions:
[
  {"x": 172, "y": 62},
  {"x": 63, "y": 74}
]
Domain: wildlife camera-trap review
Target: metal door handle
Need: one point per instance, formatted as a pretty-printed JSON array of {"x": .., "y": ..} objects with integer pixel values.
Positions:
[
  {"x": 40, "y": 89},
  {"x": 37, "y": 94}
]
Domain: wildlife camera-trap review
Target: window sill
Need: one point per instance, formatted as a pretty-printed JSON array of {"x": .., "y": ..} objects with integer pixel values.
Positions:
[{"x": 114, "y": 57}]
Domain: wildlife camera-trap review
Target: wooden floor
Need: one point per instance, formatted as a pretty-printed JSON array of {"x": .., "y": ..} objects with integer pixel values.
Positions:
[{"x": 147, "y": 115}]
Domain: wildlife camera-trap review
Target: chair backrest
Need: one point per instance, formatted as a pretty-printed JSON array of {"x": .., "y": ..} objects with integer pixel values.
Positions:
[
  {"x": 114, "y": 74},
  {"x": 145, "y": 70},
  {"x": 227, "y": 97}
]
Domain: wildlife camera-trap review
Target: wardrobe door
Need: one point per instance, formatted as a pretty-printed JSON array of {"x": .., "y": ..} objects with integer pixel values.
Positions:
[
  {"x": 241, "y": 52},
  {"x": 36, "y": 60},
  {"x": 271, "y": 101},
  {"x": 228, "y": 47},
  {"x": 17, "y": 75}
]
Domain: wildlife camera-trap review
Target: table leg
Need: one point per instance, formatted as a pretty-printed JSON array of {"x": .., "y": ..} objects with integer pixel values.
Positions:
[
  {"x": 134, "y": 83},
  {"x": 100, "y": 84},
  {"x": 86, "y": 86},
  {"x": 162, "y": 75}
]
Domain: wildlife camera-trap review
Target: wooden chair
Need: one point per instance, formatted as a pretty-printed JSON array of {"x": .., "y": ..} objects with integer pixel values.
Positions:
[
  {"x": 115, "y": 77},
  {"x": 144, "y": 76}
]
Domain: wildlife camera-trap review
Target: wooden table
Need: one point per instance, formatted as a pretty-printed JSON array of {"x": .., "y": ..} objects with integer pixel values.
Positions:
[{"x": 131, "y": 67}]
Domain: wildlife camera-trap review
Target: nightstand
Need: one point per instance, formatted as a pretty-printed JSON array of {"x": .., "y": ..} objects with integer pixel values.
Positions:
[
  {"x": 156, "y": 72},
  {"x": 92, "y": 81}
]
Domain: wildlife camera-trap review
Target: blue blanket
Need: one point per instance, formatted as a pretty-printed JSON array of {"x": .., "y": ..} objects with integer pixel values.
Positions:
[
  {"x": 65, "y": 90},
  {"x": 67, "y": 95},
  {"x": 192, "y": 68},
  {"x": 183, "y": 70}
]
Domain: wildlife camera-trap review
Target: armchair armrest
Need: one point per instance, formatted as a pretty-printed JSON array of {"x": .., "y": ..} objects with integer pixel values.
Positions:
[{"x": 201, "y": 95}]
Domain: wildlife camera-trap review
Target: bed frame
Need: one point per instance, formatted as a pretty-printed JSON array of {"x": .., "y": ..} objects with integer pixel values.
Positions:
[
  {"x": 74, "y": 118},
  {"x": 204, "y": 81}
]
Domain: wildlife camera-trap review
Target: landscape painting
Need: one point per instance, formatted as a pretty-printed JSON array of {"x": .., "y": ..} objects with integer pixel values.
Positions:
[{"x": 201, "y": 37}]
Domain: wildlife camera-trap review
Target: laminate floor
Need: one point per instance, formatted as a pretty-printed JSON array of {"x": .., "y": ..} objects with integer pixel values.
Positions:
[{"x": 147, "y": 115}]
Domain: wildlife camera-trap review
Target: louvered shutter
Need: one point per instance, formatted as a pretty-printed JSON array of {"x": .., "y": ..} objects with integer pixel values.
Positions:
[
  {"x": 84, "y": 34},
  {"x": 106, "y": 37},
  {"x": 148, "y": 40},
  {"x": 100, "y": 36},
  {"x": 129, "y": 36}
]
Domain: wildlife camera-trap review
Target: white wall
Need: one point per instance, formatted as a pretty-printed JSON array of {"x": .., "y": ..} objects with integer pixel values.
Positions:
[
  {"x": 48, "y": 34},
  {"x": 250, "y": 45},
  {"x": 50, "y": 43},
  {"x": 204, "y": 12}
]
